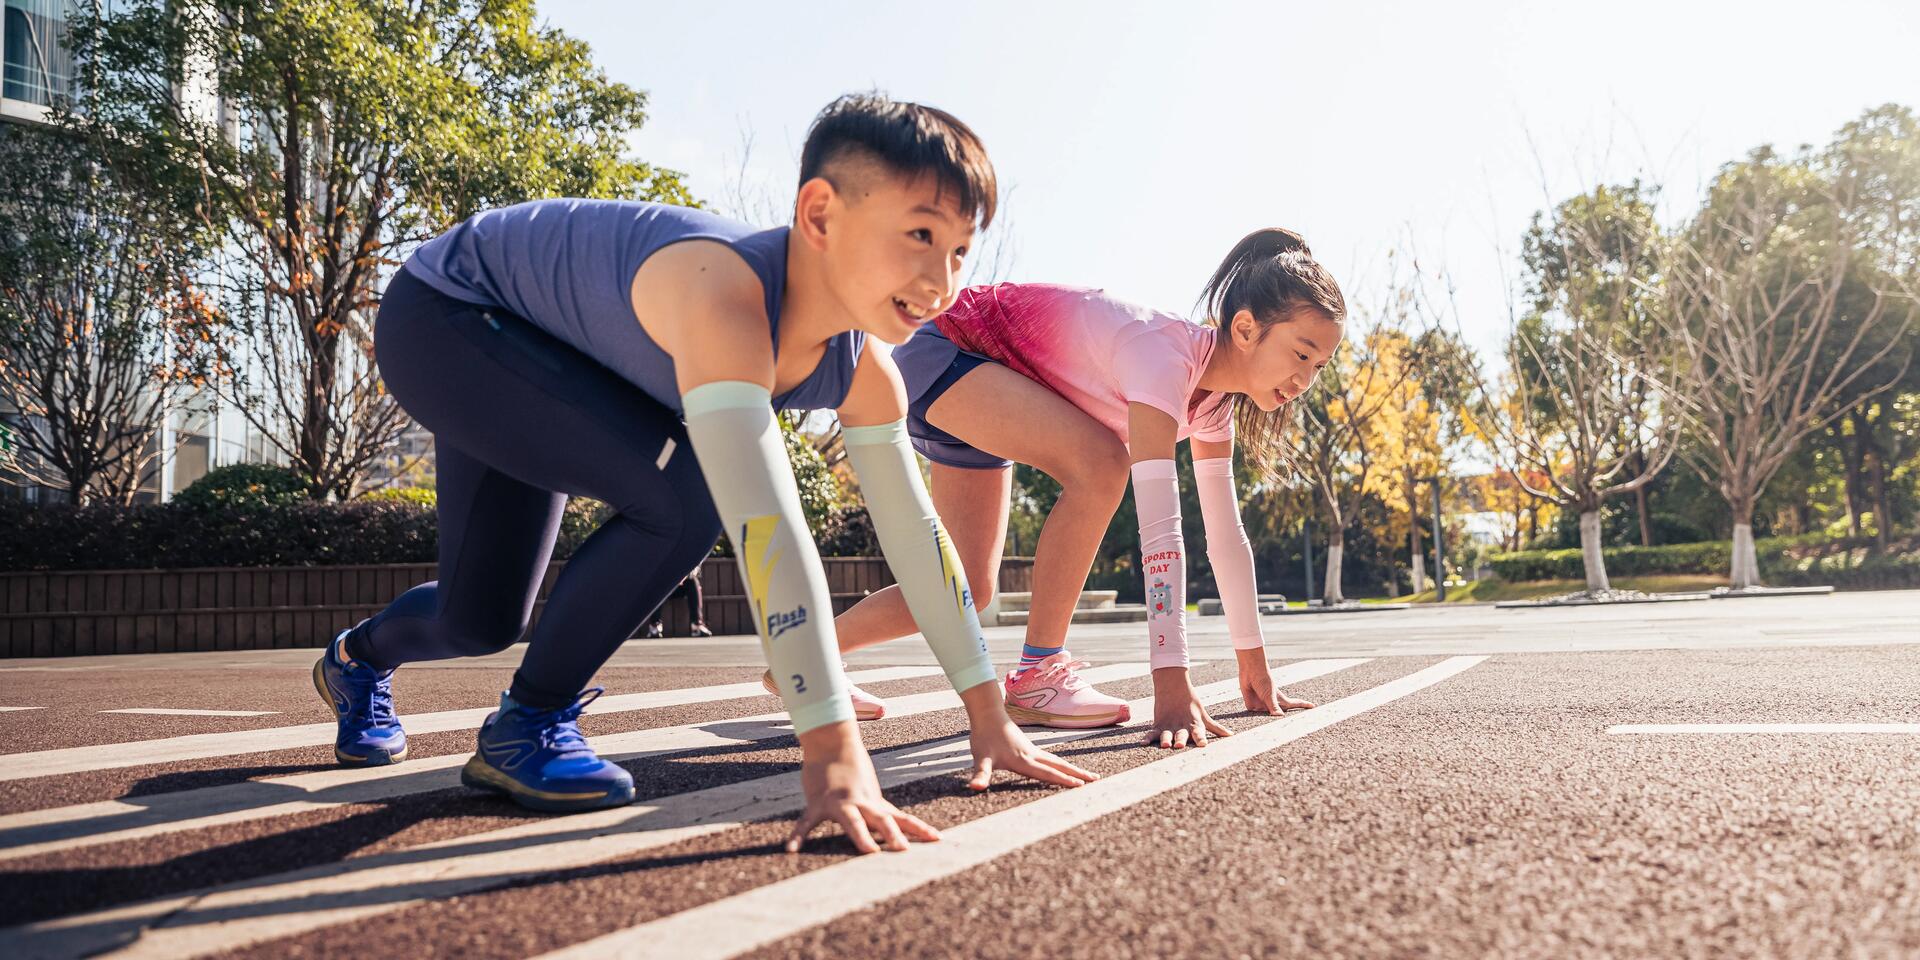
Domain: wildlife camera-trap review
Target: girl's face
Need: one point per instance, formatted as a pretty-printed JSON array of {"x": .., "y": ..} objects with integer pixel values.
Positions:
[{"x": 1281, "y": 365}]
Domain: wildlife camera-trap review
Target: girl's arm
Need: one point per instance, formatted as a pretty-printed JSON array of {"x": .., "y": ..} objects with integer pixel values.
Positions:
[
  {"x": 1232, "y": 559},
  {"x": 1179, "y": 718},
  {"x": 1227, "y": 547},
  {"x": 1163, "y": 550}
]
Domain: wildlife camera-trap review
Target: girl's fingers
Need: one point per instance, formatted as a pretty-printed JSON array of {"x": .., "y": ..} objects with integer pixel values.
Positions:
[
  {"x": 1289, "y": 703},
  {"x": 1166, "y": 739},
  {"x": 1180, "y": 738},
  {"x": 982, "y": 774},
  {"x": 1214, "y": 727}
]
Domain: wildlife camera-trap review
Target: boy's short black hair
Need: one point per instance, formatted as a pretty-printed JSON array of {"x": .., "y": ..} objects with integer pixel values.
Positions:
[{"x": 908, "y": 139}]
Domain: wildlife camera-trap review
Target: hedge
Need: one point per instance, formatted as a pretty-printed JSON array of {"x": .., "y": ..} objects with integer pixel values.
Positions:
[
  {"x": 1804, "y": 559},
  {"x": 307, "y": 533}
]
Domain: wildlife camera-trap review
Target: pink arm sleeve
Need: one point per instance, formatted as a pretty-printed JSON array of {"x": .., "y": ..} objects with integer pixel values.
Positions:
[
  {"x": 1163, "y": 561},
  {"x": 1228, "y": 551}
]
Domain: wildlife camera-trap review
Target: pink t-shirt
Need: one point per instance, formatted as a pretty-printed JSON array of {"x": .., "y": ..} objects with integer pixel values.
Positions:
[{"x": 1099, "y": 353}]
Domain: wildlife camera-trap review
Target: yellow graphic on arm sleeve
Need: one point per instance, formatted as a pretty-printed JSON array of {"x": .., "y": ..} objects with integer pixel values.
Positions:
[
  {"x": 950, "y": 569},
  {"x": 758, "y": 558}
]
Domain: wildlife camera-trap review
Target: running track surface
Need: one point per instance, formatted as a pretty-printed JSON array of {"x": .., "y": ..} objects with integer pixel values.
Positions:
[{"x": 1737, "y": 777}]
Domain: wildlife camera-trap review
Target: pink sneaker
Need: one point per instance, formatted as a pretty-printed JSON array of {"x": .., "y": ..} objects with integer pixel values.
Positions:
[
  {"x": 1053, "y": 695},
  {"x": 866, "y": 706}
]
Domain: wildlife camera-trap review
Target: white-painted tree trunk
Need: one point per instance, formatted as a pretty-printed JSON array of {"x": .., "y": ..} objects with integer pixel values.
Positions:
[
  {"x": 1419, "y": 563},
  {"x": 1746, "y": 561},
  {"x": 1590, "y": 555},
  {"x": 1331, "y": 595}
]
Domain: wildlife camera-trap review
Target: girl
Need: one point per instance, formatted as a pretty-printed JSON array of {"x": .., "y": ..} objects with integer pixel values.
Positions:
[
  {"x": 1089, "y": 389},
  {"x": 555, "y": 347}
]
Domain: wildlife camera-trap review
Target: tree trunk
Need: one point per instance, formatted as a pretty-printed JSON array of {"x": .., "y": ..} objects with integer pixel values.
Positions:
[
  {"x": 1336, "y": 545},
  {"x": 1746, "y": 561},
  {"x": 1646, "y": 519},
  {"x": 1590, "y": 555},
  {"x": 1882, "y": 507},
  {"x": 1851, "y": 453},
  {"x": 1419, "y": 562}
]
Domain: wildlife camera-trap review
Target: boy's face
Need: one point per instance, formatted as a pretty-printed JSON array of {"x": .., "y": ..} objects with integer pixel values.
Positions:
[{"x": 893, "y": 250}]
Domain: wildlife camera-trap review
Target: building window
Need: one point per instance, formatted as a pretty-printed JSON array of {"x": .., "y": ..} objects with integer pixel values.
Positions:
[{"x": 36, "y": 67}]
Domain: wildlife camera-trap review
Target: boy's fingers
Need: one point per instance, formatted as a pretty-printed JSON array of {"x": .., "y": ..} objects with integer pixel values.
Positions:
[
  {"x": 855, "y": 824},
  {"x": 982, "y": 774},
  {"x": 798, "y": 837},
  {"x": 889, "y": 830},
  {"x": 1068, "y": 768},
  {"x": 916, "y": 828}
]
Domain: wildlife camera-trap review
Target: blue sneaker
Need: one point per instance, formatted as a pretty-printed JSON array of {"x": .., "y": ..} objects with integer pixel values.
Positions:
[
  {"x": 362, "y": 702},
  {"x": 539, "y": 758}
]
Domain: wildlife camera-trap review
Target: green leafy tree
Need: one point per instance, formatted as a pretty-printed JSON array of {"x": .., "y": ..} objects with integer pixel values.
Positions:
[
  {"x": 322, "y": 139},
  {"x": 1588, "y": 367}
]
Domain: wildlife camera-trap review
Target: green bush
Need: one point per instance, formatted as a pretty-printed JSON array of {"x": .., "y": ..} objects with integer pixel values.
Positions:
[
  {"x": 418, "y": 496},
  {"x": 244, "y": 485},
  {"x": 1806, "y": 558},
  {"x": 144, "y": 537}
]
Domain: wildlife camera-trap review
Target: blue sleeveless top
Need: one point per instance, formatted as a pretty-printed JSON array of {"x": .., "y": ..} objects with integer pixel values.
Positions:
[{"x": 567, "y": 267}]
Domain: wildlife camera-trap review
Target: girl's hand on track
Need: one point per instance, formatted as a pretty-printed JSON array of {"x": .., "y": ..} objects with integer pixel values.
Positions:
[
  {"x": 1256, "y": 686},
  {"x": 1179, "y": 718}
]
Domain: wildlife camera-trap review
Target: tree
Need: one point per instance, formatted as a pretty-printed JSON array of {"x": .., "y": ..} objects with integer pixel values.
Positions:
[
  {"x": 1778, "y": 312},
  {"x": 1587, "y": 367},
  {"x": 1342, "y": 437},
  {"x": 103, "y": 328},
  {"x": 343, "y": 133},
  {"x": 1875, "y": 162},
  {"x": 1424, "y": 425}
]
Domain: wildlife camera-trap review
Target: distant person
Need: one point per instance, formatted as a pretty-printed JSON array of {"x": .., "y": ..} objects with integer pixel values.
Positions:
[{"x": 689, "y": 589}]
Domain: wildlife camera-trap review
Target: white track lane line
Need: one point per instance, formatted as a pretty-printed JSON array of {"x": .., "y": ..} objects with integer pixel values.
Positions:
[
  {"x": 170, "y": 712},
  {"x": 734, "y": 925},
  {"x": 109, "y": 756},
  {"x": 9, "y": 709},
  {"x": 193, "y": 924},
  {"x": 1908, "y": 729},
  {"x": 60, "y": 829}
]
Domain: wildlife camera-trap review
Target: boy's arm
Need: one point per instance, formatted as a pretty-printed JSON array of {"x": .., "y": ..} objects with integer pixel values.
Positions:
[
  {"x": 911, "y": 535},
  {"x": 704, "y": 307}
]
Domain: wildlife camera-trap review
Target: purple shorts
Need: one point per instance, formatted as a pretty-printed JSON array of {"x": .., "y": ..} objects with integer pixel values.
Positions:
[{"x": 930, "y": 363}]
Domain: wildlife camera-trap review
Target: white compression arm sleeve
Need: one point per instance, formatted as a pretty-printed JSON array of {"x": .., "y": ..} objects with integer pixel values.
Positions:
[
  {"x": 1228, "y": 551},
  {"x": 919, "y": 552},
  {"x": 1163, "y": 561},
  {"x": 731, "y": 424}
]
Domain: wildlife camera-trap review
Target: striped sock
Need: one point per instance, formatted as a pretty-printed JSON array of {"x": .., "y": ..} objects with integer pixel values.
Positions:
[{"x": 1030, "y": 656}]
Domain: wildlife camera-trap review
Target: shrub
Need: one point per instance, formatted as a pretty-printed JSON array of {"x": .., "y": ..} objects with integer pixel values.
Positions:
[
  {"x": 143, "y": 537},
  {"x": 418, "y": 496},
  {"x": 244, "y": 485}
]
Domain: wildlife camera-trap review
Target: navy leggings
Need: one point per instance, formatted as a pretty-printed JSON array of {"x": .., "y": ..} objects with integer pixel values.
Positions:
[{"x": 520, "y": 420}]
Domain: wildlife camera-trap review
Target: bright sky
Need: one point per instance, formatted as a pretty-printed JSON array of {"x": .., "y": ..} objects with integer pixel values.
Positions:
[{"x": 1137, "y": 141}]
